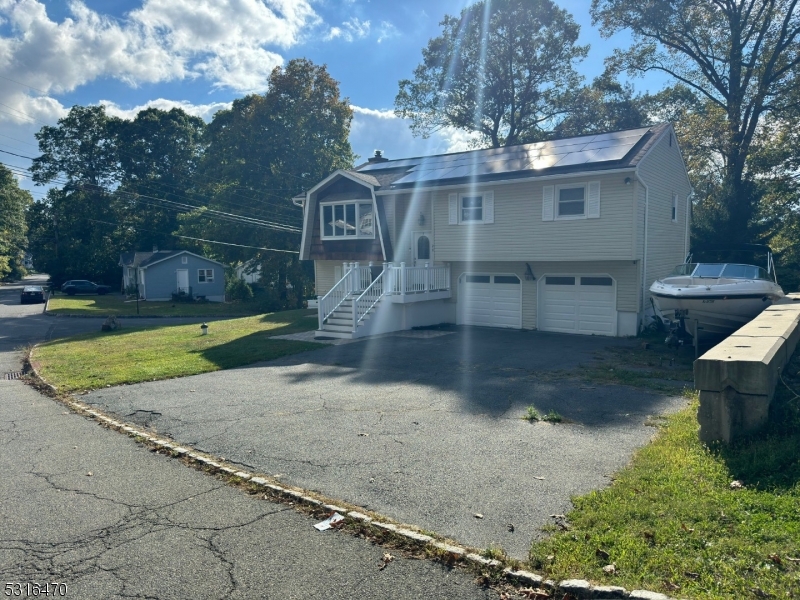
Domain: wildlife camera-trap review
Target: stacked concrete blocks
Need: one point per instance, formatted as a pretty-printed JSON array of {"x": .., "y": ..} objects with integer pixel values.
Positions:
[{"x": 737, "y": 378}]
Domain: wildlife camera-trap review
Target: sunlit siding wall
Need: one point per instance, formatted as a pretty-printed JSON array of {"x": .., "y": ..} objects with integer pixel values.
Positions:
[
  {"x": 519, "y": 233},
  {"x": 663, "y": 172},
  {"x": 324, "y": 271}
]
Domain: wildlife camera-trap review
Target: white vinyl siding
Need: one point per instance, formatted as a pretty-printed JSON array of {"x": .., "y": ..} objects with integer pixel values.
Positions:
[
  {"x": 519, "y": 233},
  {"x": 663, "y": 172},
  {"x": 324, "y": 274}
]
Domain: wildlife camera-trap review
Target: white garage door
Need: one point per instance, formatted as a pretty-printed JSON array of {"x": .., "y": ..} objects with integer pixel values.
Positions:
[
  {"x": 490, "y": 300},
  {"x": 578, "y": 304}
]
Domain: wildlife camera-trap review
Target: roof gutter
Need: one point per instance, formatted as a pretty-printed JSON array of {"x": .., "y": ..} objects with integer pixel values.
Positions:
[{"x": 455, "y": 186}]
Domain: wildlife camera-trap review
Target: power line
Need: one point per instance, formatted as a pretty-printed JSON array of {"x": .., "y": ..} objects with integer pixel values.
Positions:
[
  {"x": 197, "y": 239},
  {"x": 181, "y": 207}
]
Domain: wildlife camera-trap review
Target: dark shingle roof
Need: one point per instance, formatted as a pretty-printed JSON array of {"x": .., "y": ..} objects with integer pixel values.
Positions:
[{"x": 614, "y": 150}]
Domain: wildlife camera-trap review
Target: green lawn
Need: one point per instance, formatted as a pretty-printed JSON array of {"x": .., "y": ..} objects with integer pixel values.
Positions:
[
  {"x": 671, "y": 522},
  {"x": 132, "y": 355},
  {"x": 117, "y": 305}
]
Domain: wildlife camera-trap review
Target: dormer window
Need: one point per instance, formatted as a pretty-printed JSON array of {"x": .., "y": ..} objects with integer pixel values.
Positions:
[{"x": 347, "y": 220}]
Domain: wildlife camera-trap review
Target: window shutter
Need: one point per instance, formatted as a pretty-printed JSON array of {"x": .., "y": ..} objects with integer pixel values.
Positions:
[
  {"x": 453, "y": 220},
  {"x": 488, "y": 207},
  {"x": 548, "y": 192},
  {"x": 593, "y": 211}
]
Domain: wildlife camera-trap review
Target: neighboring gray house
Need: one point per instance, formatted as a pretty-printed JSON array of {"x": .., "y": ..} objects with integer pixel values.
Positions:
[
  {"x": 565, "y": 235},
  {"x": 163, "y": 273}
]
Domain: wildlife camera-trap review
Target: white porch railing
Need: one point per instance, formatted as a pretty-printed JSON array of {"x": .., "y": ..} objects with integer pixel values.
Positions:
[
  {"x": 418, "y": 280},
  {"x": 392, "y": 280}
]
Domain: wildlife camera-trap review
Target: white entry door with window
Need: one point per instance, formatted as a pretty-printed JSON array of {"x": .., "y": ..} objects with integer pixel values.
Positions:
[
  {"x": 423, "y": 249},
  {"x": 490, "y": 300},
  {"x": 585, "y": 304},
  {"x": 183, "y": 281}
]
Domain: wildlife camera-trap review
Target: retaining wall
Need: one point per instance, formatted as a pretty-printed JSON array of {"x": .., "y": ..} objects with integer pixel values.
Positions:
[{"x": 737, "y": 378}]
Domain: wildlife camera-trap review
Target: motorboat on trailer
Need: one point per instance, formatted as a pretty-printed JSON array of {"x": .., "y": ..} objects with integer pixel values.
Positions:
[{"x": 719, "y": 296}]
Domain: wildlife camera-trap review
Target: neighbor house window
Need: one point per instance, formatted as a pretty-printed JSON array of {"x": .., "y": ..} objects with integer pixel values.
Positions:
[
  {"x": 344, "y": 220},
  {"x": 572, "y": 201},
  {"x": 184, "y": 260},
  {"x": 471, "y": 209},
  {"x": 205, "y": 275},
  {"x": 675, "y": 207}
]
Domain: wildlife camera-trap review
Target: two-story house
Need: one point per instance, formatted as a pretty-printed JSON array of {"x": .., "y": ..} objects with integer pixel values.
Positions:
[{"x": 565, "y": 236}]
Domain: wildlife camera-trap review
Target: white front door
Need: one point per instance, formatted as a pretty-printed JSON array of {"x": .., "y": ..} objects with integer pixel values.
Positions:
[
  {"x": 183, "y": 280},
  {"x": 423, "y": 248}
]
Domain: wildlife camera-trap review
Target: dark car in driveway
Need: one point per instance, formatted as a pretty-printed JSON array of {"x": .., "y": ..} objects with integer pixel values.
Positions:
[
  {"x": 81, "y": 286},
  {"x": 32, "y": 294}
]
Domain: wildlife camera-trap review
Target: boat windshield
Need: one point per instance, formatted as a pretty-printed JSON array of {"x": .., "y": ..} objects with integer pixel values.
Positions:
[
  {"x": 715, "y": 270},
  {"x": 745, "y": 272},
  {"x": 684, "y": 269},
  {"x": 708, "y": 270}
]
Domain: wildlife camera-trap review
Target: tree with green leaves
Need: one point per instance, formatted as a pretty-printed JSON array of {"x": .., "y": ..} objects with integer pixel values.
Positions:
[
  {"x": 13, "y": 241},
  {"x": 260, "y": 153},
  {"x": 504, "y": 69},
  {"x": 740, "y": 57}
]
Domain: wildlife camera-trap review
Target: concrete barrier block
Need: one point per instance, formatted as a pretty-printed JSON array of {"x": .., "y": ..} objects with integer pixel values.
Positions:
[
  {"x": 777, "y": 323},
  {"x": 724, "y": 416},
  {"x": 747, "y": 364}
]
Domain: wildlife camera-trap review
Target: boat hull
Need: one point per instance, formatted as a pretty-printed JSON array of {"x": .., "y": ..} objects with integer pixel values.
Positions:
[{"x": 720, "y": 306}]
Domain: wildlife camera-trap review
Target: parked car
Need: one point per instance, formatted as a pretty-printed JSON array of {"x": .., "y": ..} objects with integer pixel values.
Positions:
[
  {"x": 32, "y": 294},
  {"x": 81, "y": 286}
]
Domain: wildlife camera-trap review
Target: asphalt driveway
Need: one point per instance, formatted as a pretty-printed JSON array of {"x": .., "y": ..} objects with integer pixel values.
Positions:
[{"x": 422, "y": 426}]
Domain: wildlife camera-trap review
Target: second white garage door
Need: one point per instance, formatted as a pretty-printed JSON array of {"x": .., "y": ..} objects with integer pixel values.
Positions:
[
  {"x": 490, "y": 300},
  {"x": 584, "y": 304}
]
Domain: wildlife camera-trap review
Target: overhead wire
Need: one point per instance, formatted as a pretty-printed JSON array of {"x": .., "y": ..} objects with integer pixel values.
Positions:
[
  {"x": 182, "y": 207},
  {"x": 197, "y": 239}
]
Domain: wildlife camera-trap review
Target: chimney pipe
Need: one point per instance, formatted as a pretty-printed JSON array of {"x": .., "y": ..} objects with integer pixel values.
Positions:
[{"x": 378, "y": 158}]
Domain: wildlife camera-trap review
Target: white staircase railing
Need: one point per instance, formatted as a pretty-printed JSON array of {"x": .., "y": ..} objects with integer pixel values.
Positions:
[
  {"x": 368, "y": 299},
  {"x": 334, "y": 298}
]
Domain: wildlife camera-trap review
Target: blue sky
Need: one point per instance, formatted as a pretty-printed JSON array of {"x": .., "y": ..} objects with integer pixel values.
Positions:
[{"x": 202, "y": 54}]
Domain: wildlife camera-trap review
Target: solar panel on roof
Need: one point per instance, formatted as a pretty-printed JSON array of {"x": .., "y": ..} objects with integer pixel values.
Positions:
[{"x": 493, "y": 161}]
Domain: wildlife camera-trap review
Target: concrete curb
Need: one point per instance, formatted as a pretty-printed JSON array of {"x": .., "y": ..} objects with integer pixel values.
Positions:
[{"x": 578, "y": 589}]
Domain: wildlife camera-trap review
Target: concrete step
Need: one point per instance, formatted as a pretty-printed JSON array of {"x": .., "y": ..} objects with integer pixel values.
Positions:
[
  {"x": 333, "y": 334},
  {"x": 341, "y": 328}
]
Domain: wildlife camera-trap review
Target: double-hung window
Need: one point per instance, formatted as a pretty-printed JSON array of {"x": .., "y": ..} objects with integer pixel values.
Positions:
[
  {"x": 471, "y": 209},
  {"x": 205, "y": 275},
  {"x": 347, "y": 220},
  {"x": 571, "y": 201}
]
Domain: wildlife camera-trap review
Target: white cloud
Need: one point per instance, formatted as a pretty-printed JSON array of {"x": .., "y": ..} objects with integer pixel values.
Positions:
[
  {"x": 352, "y": 29},
  {"x": 163, "y": 40},
  {"x": 204, "y": 111},
  {"x": 380, "y": 129},
  {"x": 387, "y": 31}
]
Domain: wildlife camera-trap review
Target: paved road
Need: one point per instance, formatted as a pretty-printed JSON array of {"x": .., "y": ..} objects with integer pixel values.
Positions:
[
  {"x": 88, "y": 507},
  {"x": 424, "y": 427}
]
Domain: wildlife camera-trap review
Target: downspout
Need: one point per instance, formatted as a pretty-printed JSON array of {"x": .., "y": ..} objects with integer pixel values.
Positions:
[
  {"x": 688, "y": 215},
  {"x": 644, "y": 255}
]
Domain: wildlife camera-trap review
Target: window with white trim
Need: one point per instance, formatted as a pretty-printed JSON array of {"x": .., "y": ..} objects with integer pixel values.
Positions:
[
  {"x": 571, "y": 201},
  {"x": 347, "y": 220},
  {"x": 471, "y": 208},
  {"x": 184, "y": 260},
  {"x": 675, "y": 208},
  {"x": 205, "y": 275}
]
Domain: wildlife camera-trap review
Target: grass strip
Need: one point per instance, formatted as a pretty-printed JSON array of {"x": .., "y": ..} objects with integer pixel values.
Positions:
[
  {"x": 672, "y": 521},
  {"x": 118, "y": 306},
  {"x": 133, "y": 355}
]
